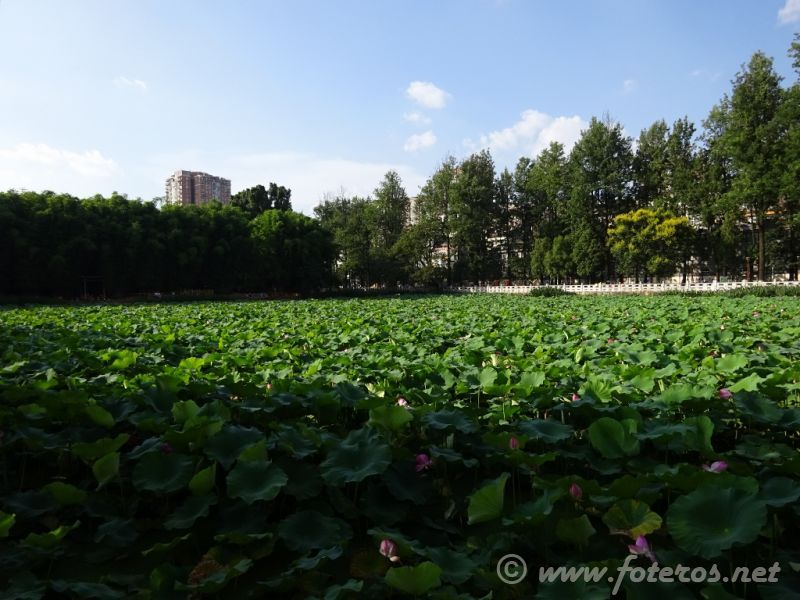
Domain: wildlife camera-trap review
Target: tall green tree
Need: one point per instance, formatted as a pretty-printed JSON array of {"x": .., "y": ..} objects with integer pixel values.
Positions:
[
  {"x": 473, "y": 218},
  {"x": 350, "y": 222},
  {"x": 650, "y": 165},
  {"x": 505, "y": 229},
  {"x": 601, "y": 187},
  {"x": 751, "y": 135}
]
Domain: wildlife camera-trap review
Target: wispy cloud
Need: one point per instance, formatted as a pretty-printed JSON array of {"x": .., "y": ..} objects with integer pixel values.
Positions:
[
  {"x": 416, "y": 117},
  {"x": 136, "y": 84},
  {"x": 427, "y": 94},
  {"x": 703, "y": 74},
  {"x": 418, "y": 141},
  {"x": 629, "y": 86},
  {"x": 790, "y": 13},
  {"x": 310, "y": 177},
  {"x": 90, "y": 163},
  {"x": 42, "y": 167},
  {"x": 533, "y": 133}
]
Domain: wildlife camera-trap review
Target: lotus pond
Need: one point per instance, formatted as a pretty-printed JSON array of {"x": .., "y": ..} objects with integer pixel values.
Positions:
[{"x": 393, "y": 447}]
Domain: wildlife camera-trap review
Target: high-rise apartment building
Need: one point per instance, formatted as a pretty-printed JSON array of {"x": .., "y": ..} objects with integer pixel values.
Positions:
[{"x": 194, "y": 187}]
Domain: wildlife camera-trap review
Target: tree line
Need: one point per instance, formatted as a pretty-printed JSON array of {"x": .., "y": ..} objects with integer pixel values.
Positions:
[
  {"x": 722, "y": 202},
  {"x": 57, "y": 245}
]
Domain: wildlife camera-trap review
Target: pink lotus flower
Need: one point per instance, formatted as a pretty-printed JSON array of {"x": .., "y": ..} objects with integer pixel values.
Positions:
[
  {"x": 642, "y": 548},
  {"x": 725, "y": 394},
  {"x": 389, "y": 549},
  {"x": 716, "y": 467},
  {"x": 576, "y": 492},
  {"x": 424, "y": 462},
  {"x": 269, "y": 386},
  {"x": 575, "y": 397},
  {"x": 611, "y": 340},
  {"x": 166, "y": 448},
  {"x": 513, "y": 443},
  {"x": 402, "y": 402}
]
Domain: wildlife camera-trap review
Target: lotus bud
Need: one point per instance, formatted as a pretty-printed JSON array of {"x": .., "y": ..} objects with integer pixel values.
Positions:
[
  {"x": 725, "y": 394},
  {"x": 513, "y": 443},
  {"x": 423, "y": 462},
  {"x": 716, "y": 467},
  {"x": 388, "y": 549},
  {"x": 576, "y": 492}
]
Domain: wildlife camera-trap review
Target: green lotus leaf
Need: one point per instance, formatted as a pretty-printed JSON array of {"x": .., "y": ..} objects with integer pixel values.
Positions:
[
  {"x": 192, "y": 509},
  {"x": 710, "y": 520},
  {"x": 203, "y": 481},
  {"x": 6, "y": 523},
  {"x": 311, "y": 530},
  {"x": 633, "y": 517},
  {"x": 731, "y": 362},
  {"x": 748, "y": 384},
  {"x": 612, "y": 438},
  {"x": 117, "y": 533},
  {"x": 599, "y": 389},
  {"x": 163, "y": 473},
  {"x": 560, "y": 590},
  {"x": 780, "y": 491},
  {"x": 106, "y": 468},
  {"x": 184, "y": 411},
  {"x": 100, "y": 416},
  {"x": 312, "y": 562},
  {"x": 575, "y": 531},
  {"x": 487, "y": 503},
  {"x": 487, "y": 377},
  {"x": 93, "y": 450},
  {"x": 456, "y": 566},
  {"x": 85, "y": 589},
  {"x": 229, "y": 442},
  {"x": 756, "y": 407},
  {"x": 65, "y": 494},
  {"x": 392, "y": 418},
  {"x": 450, "y": 419},
  {"x": 361, "y": 454},
  {"x": 548, "y": 431},
  {"x": 256, "y": 480},
  {"x": 346, "y": 590},
  {"x": 417, "y": 580},
  {"x": 700, "y": 431},
  {"x": 50, "y": 539},
  {"x": 531, "y": 380}
]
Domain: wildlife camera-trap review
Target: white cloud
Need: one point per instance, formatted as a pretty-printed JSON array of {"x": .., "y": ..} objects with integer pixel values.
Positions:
[
  {"x": 708, "y": 76},
  {"x": 42, "y": 167},
  {"x": 629, "y": 85},
  {"x": 418, "y": 141},
  {"x": 790, "y": 13},
  {"x": 416, "y": 117},
  {"x": 534, "y": 132},
  {"x": 124, "y": 82},
  {"x": 427, "y": 94}
]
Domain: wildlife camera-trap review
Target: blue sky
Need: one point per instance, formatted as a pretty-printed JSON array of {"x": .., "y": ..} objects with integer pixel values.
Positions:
[{"x": 102, "y": 95}]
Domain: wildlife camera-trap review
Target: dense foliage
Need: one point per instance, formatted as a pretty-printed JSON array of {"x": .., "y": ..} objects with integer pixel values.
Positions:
[
  {"x": 58, "y": 245},
  {"x": 724, "y": 203},
  {"x": 334, "y": 448}
]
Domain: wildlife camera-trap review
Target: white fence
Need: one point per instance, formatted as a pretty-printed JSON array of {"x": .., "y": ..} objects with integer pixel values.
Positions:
[{"x": 624, "y": 288}]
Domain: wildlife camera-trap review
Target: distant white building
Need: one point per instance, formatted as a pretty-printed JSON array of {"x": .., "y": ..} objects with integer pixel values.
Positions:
[{"x": 195, "y": 187}]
